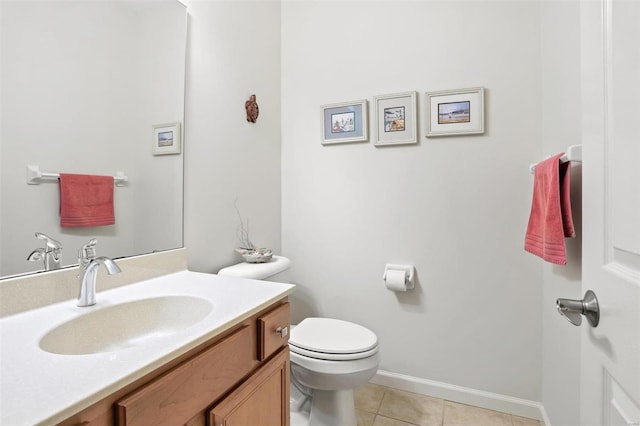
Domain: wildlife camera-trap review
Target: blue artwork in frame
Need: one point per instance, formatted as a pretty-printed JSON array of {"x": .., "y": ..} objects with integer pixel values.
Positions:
[{"x": 344, "y": 122}]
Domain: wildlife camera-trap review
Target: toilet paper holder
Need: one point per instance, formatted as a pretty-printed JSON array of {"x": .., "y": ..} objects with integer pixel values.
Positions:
[{"x": 409, "y": 273}]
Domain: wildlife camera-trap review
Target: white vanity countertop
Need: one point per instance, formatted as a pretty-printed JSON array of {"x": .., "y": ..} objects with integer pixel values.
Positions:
[{"x": 41, "y": 388}]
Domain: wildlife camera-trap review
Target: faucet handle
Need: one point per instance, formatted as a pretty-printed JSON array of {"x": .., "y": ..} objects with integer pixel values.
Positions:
[
  {"x": 50, "y": 243},
  {"x": 36, "y": 256},
  {"x": 88, "y": 251}
]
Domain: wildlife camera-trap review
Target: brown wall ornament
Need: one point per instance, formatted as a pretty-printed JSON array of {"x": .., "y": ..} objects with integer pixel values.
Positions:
[{"x": 252, "y": 109}]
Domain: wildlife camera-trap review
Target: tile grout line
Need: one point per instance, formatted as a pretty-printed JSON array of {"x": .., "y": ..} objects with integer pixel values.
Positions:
[{"x": 381, "y": 399}]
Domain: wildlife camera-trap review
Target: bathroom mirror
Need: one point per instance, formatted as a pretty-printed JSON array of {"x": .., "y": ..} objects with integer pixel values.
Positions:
[{"x": 83, "y": 84}]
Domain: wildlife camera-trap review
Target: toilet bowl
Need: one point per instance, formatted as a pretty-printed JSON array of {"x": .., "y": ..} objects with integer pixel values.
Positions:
[{"x": 329, "y": 357}]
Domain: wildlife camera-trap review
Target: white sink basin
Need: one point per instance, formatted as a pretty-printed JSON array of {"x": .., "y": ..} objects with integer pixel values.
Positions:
[{"x": 124, "y": 325}]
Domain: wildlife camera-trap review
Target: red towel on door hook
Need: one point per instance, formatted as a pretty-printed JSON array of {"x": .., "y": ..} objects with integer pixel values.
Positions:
[
  {"x": 550, "y": 220},
  {"x": 86, "y": 200}
]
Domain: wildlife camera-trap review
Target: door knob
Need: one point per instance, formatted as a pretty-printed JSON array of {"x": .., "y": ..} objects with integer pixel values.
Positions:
[{"x": 573, "y": 309}]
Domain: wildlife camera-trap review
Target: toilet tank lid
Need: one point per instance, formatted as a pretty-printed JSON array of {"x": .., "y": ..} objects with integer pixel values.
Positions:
[{"x": 257, "y": 271}]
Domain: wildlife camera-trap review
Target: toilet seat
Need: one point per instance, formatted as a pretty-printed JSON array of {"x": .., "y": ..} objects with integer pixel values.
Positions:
[
  {"x": 332, "y": 339},
  {"x": 330, "y": 356}
]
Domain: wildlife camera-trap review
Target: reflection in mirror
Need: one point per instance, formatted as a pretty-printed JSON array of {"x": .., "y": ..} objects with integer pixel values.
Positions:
[{"x": 83, "y": 83}]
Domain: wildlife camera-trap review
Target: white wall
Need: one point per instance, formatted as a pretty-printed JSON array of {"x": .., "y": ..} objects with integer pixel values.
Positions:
[
  {"x": 234, "y": 51},
  {"x": 560, "y": 41},
  {"x": 454, "y": 207}
]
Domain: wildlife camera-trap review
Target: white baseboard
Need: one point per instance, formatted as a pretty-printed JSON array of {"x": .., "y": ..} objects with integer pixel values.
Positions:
[{"x": 478, "y": 398}]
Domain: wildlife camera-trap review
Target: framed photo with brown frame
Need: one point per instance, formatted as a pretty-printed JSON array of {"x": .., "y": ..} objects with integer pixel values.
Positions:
[
  {"x": 455, "y": 112},
  {"x": 344, "y": 122},
  {"x": 166, "y": 139},
  {"x": 396, "y": 119}
]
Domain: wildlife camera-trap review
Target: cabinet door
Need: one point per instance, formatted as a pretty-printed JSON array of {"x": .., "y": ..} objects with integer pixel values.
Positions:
[
  {"x": 263, "y": 400},
  {"x": 178, "y": 395}
]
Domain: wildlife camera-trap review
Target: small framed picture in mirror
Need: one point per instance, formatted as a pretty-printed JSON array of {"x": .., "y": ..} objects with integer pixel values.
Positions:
[{"x": 166, "y": 139}]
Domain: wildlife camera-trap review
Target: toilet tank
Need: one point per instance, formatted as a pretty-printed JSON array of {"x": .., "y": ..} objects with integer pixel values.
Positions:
[{"x": 277, "y": 269}]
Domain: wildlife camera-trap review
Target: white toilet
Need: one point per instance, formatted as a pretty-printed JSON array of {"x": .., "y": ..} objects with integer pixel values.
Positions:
[{"x": 329, "y": 357}]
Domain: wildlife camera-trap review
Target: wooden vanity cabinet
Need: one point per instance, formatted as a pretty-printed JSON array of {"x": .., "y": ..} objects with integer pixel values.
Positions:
[{"x": 235, "y": 379}]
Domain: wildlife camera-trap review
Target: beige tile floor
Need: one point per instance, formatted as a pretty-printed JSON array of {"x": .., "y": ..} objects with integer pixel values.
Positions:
[{"x": 382, "y": 406}]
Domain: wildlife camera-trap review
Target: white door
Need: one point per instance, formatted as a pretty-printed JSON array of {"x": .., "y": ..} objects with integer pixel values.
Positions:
[{"x": 610, "y": 353}]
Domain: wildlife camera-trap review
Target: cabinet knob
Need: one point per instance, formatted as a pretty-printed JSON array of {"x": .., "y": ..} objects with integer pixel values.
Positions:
[{"x": 282, "y": 331}]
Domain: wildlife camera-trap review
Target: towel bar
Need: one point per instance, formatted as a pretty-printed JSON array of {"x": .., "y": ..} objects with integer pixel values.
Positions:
[
  {"x": 573, "y": 153},
  {"x": 35, "y": 176}
]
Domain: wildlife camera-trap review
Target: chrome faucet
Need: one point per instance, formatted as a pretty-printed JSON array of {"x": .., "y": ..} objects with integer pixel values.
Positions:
[
  {"x": 88, "y": 268},
  {"x": 51, "y": 254}
]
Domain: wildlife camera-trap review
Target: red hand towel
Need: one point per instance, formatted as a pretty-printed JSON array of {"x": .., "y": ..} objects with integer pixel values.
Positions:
[
  {"x": 86, "y": 200},
  {"x": 550, "y": 220}
]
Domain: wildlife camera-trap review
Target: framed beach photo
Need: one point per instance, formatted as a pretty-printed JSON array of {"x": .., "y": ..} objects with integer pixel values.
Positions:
[
  {"x": 455, "y": 112},
  {"x": 396, "y": 119},
  {"x": 166, "y": 139},
  {"x": 344, "y": 122}
]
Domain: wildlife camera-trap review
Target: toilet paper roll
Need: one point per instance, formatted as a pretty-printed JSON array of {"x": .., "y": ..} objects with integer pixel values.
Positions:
[{"x": 395, "y": 280}]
